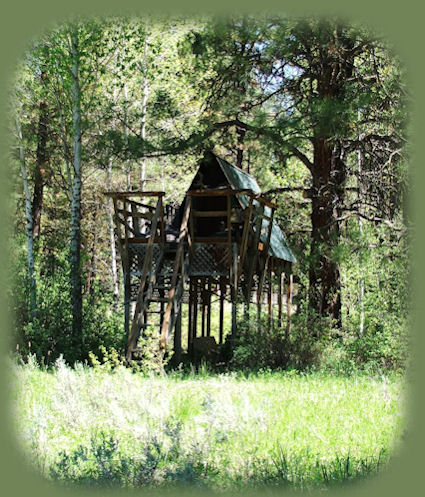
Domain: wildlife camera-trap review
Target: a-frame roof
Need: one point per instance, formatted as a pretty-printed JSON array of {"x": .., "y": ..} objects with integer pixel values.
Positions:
[{"x": 240, "y": 180}]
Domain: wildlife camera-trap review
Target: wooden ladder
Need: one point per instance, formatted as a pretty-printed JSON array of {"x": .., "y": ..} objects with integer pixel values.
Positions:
[
  {"x": 148, "y": 282},
  {"x": 163, "y": 286}
]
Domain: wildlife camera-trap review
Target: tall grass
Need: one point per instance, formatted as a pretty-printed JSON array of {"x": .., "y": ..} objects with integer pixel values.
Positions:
[{"x": 225, "y": 431}]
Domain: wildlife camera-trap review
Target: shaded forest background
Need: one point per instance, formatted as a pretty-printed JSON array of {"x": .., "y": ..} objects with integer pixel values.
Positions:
[{"x": 314, "y": 109}]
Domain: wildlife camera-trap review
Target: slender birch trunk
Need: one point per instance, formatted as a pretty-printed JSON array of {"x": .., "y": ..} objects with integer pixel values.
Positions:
[
  {"x": 145, "y": 90},
  {"x": 29, "y": 226},
  {"x": 65, "y": 148},
  {"x": 112, "y": 238},
  {"x": 125, "y": 126},
  {"x": 40, "y": 164},
  {"x": 361, "y": 289},
  {"x": 75, "y": 243}
]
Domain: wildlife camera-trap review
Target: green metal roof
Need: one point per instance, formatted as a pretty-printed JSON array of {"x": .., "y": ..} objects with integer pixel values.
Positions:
[{"x": 240, "y": 180}]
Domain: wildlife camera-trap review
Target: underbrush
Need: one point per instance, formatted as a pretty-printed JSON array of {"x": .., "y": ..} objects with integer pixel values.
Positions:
[
  {"x": 111, "y": 426},
  {"x": 315, "y": 344}
]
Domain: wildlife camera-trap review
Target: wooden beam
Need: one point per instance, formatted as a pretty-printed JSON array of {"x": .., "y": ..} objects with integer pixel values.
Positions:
[
  {"x": 195, "y": 309},
  {"x": 203, "y": 306},
  {"x": 209, "y": 307},
  {"x": 280, "y": 275},
  {"x": 209, "y": 213},
  {"x": 233, "y": 289},
  {"x": 143, "y": 215},
  {"x": 189, "y": 321},
  {"x": 270, "y": 292},
  {"x": 221, "y": 316},
  {"x": 178, "y": 339},
  {"x": 134, "y": 194},
  {"x": 288, "y": 306}
]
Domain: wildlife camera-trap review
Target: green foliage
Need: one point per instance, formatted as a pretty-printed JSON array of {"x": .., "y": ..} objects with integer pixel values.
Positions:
[
  {"x": 270, "y": 73},
  {"x": 49, "y": 335}
]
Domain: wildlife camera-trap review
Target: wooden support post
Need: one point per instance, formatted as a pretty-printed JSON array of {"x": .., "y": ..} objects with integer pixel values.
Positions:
[
  {"x": 288, "y": 306},
  {"x": 162, "y": 226},
  {"x": 233, "y": 289},
  {"x": 279, "y": 296},
  {"x": 189, "y": 319},
  {"x": 178, "y": 339},
  {"x": 221, "y": 317},
  {"x": 126, "y": 304},
  {"x": 254, "y": 252},
  {"x": 161, "y": 305},
  {"x": 195, "y": 309},
  {"x": 270, "y": 292},
  {"x": 203, "y": 306},
  {"x": 208, "y": 307}
]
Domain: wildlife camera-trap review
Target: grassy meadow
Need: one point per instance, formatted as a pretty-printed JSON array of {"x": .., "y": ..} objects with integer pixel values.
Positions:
[{"x": 226, "y": 431}]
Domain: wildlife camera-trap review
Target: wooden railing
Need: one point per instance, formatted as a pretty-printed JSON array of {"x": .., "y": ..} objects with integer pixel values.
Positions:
[
  {"x": 178, "y": 270},
  {"x": 147, "y": 272},
  {"x": 256, "y": 208}
]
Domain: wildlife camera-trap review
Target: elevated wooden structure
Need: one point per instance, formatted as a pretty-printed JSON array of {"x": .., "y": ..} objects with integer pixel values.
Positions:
[{"x": 222, "y": 241}]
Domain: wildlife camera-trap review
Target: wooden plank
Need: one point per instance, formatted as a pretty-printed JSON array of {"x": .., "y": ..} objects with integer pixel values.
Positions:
[
  {"x": 280, "y": 275},
  {"x": 267, "y": 203},
  {"x": 177, "y": 340},
  {"x": 233, "y": 289},
  {"x": 208, "y": 306},
  {"x": 141, "y": 204},
  {"x": 134, "y": 194},
  {"x": 221, "y": 317},
  {"x": 209, "y": 213},
  {"x": 203, "y": 306},
  {"x": 162, "y": 225},
  {"x": 270, "y": 292},
  {"x": 195, "y": 309},
  {"x": 143, "y": 215},
  {"x": 288, "y": 307},
  {"x": 189, "y": 321}
]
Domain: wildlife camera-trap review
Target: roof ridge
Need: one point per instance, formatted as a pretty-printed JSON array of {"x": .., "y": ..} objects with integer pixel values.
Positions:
[{"x": 236, "y": 167}]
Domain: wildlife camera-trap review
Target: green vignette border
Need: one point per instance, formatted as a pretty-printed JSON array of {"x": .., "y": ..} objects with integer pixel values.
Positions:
[{"x": 400, "y": 24}]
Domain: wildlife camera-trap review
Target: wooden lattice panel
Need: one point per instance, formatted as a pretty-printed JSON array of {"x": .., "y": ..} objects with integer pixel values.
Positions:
[
  {"x": 136, "y": 256},
  {"x": 210, "y": 259}
]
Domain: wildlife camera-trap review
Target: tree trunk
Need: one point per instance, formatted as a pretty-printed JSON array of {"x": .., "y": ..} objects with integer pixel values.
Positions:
[
  {"x": 40, "y": 164},
  {"x": 29, "y": 227},
  {"x": 240, "y": 132},
  {"x": 91, "y": 273},
  {"x": 145, "y": 90},
  {"x": 112, "y": 238},
  {"x": 75, "y": 245},
  {"x": 328, "y": 177}
]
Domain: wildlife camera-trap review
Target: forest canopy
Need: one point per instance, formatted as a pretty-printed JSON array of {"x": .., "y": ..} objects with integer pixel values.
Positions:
[{"x": 315, "y": 109}]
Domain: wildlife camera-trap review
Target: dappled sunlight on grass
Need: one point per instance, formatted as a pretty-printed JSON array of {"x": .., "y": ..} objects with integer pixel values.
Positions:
[{"x": 222, "y": 431}]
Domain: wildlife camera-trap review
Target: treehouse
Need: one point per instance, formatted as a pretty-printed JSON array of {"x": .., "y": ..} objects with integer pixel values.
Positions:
[{"x": 222, "y": 244}]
